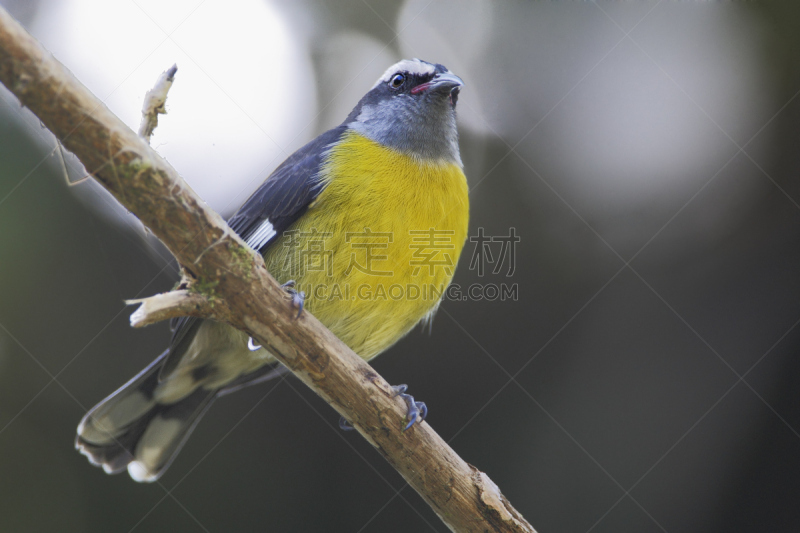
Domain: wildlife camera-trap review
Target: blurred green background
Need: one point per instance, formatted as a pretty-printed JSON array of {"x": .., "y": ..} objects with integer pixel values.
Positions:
[{"x": 646, "y": 154}]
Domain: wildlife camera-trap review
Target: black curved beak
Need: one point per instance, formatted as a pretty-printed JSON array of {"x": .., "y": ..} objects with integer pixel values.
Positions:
[{"x": 444, "y": 83}]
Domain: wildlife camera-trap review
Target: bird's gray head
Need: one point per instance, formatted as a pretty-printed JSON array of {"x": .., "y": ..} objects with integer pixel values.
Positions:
[{"x": 412, "y": 108}]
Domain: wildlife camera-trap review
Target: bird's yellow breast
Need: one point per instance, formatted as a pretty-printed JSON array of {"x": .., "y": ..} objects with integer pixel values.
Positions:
[{"x": 378, "y": 247}]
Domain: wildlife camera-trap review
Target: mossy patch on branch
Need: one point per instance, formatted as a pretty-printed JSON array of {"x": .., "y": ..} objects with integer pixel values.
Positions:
[
  {"x": 243, "y": 265},
  {"x": 206, "y": 288}
]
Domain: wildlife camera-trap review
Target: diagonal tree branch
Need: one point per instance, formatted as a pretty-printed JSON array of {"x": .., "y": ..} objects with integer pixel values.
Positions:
[{"x": 230, "y": 283}]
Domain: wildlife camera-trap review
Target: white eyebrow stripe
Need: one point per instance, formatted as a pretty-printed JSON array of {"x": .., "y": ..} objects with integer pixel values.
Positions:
[
  {"x": 261, "y": 235},
  {"x": 412, "y": 66}
]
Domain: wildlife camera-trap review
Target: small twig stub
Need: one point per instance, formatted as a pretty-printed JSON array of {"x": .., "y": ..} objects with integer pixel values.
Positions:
[
  {"x": 154, "y": 103},
  {"x": 169, "y": 305}
]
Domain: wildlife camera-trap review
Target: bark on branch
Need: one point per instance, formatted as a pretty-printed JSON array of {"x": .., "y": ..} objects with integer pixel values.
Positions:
[{"x": 231, "y": 284}]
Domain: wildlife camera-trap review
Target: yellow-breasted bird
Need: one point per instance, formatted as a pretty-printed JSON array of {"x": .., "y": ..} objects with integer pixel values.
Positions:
[{"x": 367, "y": 221}]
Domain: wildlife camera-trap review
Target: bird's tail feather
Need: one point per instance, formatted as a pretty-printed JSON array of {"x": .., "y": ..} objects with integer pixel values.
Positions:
[{"x": 131, "y": 430}]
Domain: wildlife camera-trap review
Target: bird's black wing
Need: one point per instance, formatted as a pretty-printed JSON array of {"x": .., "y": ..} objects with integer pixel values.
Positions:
[
  {"x": 286, "y": 194},
  {"x": 271, "y": 209}
]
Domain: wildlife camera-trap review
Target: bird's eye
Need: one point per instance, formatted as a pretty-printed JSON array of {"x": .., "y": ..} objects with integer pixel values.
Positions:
[{"x": 396, "y": 81}]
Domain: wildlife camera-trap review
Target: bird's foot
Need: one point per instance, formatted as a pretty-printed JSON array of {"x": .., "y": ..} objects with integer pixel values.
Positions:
[
  {"x": 417, "y": 411},
  {"x": 298, "y": 297}
]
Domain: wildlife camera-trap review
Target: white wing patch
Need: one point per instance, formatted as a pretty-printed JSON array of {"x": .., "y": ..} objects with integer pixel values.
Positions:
[
  {"x": 261, "y": 235},
  {"x": 412, "y": 66}
]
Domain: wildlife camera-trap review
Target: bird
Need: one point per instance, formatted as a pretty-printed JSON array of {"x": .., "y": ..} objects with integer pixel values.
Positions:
[{"x": 364, "y": 225}]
